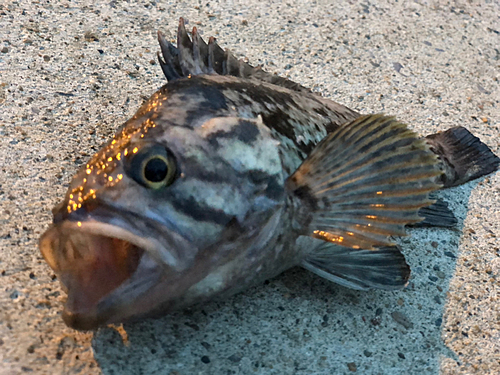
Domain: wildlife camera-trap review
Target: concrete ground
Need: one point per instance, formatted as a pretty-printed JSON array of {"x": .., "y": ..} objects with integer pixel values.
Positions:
[{"x": 72, "y": 71}]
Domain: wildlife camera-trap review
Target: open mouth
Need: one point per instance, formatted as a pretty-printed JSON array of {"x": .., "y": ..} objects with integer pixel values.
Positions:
[{"x": 91, "y": 260}]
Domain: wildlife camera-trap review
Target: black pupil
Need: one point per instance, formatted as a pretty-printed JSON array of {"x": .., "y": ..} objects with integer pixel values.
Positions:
[{"x": 156, "y": 170}]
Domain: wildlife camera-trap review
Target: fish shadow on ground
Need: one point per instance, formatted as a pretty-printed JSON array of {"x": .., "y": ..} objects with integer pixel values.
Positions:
[{"x": 299, "y": 323}]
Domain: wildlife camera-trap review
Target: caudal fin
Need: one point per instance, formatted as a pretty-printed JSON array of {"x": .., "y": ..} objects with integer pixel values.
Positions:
[
  {"x": 383, "y": 268},
  {"x": 463, "y": 156},
  {"x": 363, "y": 183}
]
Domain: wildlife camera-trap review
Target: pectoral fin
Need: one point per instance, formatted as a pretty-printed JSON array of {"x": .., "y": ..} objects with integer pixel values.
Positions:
[{"x": 364, "y": 183}]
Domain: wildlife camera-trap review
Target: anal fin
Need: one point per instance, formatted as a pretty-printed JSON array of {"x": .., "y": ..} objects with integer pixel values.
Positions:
[
  {"x": 436, "y": 215},
  {"x": 383, "y": 268}
]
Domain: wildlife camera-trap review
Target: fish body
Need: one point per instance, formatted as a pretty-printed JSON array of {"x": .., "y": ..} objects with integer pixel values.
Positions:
[{"x": 228, "y": 176}]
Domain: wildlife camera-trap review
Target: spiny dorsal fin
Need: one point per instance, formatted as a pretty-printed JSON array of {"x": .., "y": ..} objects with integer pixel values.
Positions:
[
  {"x": 363, "y": 183},
  {"x": 194, "y": 56}
]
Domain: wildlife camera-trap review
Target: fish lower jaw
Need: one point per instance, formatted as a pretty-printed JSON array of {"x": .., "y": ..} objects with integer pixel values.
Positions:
[{"x": 92, "y": 266}]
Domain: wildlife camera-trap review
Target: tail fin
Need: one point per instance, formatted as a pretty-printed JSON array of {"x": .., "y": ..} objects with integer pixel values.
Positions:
[
  {"x": 463, "y": 156},
  {"x": 383, "y": 268},
  {"x": 194, "y": 56}
]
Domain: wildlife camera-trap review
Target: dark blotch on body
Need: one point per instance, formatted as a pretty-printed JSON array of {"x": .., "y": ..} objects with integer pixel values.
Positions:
[
  {"x": 245, "y": 131},
  {"x": 201, "y": 213},
  {"x": 305, "y": 195}
]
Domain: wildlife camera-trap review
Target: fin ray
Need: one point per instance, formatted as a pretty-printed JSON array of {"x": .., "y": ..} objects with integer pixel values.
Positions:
[
  {"x": 194, "y": 56},
  {"x": 437, "y": 215},
  {"x": 383, "y": 268},
  {"x": 361, "y": 207},
  {"x": 463, "y": 156}
]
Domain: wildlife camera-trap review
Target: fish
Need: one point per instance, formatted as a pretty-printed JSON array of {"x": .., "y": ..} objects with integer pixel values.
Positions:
[{"x": 228, "y": 176}]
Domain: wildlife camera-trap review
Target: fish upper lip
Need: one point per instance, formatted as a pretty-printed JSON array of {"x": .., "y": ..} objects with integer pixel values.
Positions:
[
  {"x": 80, "y": 247},
  {"x": 123, "y": 224}
]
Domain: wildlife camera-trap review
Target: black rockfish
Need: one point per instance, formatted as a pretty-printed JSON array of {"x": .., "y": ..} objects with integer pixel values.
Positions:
[{"x": 229, "y": 175}]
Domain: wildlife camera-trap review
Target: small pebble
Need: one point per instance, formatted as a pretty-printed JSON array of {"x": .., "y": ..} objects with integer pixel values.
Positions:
[
  {"x": 5, "y": 49},
  {"x": 206, "y": 345},
  {"x": 352, "y": 367},
  {"x": 235, "y": 358},
  {"x": 367, "y": 353},
  {"x": 401, "y": 355},
  {"x": 402, "y": 319},
  {"x": 441, "y": 274},
  {"x": 450, "y": 254},
  {"x": 205, "y": 359}
]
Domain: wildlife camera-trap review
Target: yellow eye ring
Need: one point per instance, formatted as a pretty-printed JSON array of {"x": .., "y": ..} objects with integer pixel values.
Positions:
[
  {"x": 152, "y": 165},
  {"x": 157, "y": 171}
]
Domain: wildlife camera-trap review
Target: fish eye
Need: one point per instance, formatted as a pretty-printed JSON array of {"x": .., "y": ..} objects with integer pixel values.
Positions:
[{"x": 152, "y": 166}]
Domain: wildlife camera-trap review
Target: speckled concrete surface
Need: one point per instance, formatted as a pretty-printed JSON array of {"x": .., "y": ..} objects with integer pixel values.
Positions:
[{"x": 72, "y": 71}]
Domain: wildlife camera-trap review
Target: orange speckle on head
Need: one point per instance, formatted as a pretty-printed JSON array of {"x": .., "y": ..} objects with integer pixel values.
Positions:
[
  {"x": 110, "y": 159},
  {"x": 135, "y": 150},
  {"x": 120, "y": 176},
  {"x": 110, "y": 178},
  {"x": 379, "y": 192},
  {"x": 125, "y": 153},
  {"x": 118, "y": 156},
  {"x": 71, "y": 196},
  {"x": 371, "y": 216},
  {"x": 79, "y": 223},
  {"x": 89, "y": 171}
]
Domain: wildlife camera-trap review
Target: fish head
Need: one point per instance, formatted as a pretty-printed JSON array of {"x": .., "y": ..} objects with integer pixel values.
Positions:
[{"x": 157, "y": 210}]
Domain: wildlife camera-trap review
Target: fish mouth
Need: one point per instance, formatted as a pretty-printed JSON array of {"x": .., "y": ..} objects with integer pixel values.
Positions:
[{"x": 97, "y": 263}]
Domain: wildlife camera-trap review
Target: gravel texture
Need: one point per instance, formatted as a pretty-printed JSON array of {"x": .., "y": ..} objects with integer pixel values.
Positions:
[{"x": 72, "y": 71}]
